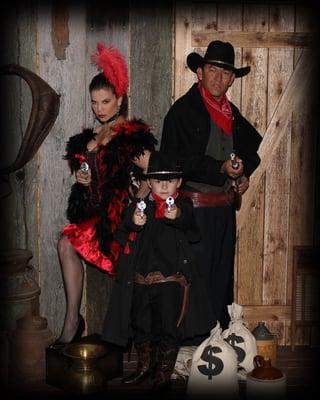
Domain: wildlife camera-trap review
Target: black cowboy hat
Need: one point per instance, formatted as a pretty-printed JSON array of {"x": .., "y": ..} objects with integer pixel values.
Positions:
[
  {"x": 162, "y": 167},
  {"x": 220, "y": 54}
]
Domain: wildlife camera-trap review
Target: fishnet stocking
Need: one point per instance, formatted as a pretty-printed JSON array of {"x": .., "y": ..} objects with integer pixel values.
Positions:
[{"x": 72, "y": 274}]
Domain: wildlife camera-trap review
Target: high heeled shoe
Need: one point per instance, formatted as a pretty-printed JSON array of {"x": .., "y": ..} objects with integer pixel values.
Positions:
[{"x": 78, "y": 334}]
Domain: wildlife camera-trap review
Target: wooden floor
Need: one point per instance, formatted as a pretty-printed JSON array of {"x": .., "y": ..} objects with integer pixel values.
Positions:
[{"x": 301, "y": 369}]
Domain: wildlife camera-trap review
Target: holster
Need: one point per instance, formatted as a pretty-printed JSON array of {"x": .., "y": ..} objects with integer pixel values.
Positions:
[{"x": 157, "y": 277}]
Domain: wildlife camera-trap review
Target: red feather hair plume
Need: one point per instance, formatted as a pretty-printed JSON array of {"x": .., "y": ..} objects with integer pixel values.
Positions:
[{"x": 114, "y": 67}]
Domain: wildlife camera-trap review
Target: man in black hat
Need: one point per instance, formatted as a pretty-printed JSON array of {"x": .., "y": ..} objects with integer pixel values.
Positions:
[
  {"x": 217, "y": 149},
  {"x": 158, "y": 293}
]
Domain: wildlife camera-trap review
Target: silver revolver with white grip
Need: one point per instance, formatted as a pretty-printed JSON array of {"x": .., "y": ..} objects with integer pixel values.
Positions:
[
  {"x": 84, "y": 167},
  {"x": 235, "y": 182},
  {"x": 234, "y": 163},
  {"x": 170, "y": 203},
  {"x": 141, "y": 205}
]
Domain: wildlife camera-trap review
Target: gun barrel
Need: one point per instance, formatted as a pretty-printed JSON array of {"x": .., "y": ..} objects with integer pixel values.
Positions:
[{"x": 234, "y": 163}]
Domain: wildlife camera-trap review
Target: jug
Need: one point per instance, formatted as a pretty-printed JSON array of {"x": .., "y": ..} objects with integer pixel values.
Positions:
[
  {"x": 265, "y": 381},
  {"x": 266, "y": 342}
]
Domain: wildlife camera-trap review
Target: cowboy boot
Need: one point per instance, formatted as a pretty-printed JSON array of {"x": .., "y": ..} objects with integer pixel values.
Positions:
[
  {"x": 143, "y": 370},
  {"x": 154, "y": 359},
  {"x": 164, "y": 369}
]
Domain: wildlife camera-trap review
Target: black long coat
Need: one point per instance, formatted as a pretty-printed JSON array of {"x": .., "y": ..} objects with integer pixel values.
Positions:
[
  {"x": 185, "y": 135},
  {"x": 175, "y": 236}
]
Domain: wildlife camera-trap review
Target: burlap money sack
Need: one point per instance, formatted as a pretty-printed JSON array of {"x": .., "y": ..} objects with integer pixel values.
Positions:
[
  {"x": 240, "y": 338},
  {"x": 183, "y": 362},
  {"x": 214, "y": 369}
]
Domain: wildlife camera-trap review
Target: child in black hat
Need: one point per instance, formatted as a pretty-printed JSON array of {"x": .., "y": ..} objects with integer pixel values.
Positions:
[{"x": 158, "y": 298}]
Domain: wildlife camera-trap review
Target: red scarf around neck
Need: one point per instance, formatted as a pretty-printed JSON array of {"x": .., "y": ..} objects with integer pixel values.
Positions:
[
  {"x": 161, "y": 204},
  {"x": 220, "y": 111}
]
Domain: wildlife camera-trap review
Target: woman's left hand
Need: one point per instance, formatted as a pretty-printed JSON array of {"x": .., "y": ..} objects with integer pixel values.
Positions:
[
  {"x": 142, "y": 161},
  {"x": 143, "y": 190}
]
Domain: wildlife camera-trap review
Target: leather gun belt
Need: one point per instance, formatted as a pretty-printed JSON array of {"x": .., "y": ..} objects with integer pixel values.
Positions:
[
  {"x": 158, "y": 277},
  {"x": 206, "y": 199}
]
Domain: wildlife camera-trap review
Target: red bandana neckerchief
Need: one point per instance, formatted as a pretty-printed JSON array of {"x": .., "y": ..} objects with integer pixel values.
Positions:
[
  {"x": 220, "y": 111},
  {"x": 161, "y": 204}
]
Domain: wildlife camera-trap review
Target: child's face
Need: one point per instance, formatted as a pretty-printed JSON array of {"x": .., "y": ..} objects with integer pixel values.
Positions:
[{"x": 164, "y": 189}]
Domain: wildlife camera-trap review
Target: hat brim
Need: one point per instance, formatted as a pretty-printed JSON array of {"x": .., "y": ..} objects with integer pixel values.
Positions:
[
  {"x": 195, "y": 61},
  {"x": 163, "y": 176}
]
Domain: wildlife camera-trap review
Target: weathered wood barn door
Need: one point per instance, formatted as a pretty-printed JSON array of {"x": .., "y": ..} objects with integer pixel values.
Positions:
[{"x": 277, "y": 98}]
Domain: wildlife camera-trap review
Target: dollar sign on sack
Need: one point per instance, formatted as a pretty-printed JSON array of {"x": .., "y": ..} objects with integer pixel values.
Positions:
[
  {"x": 215, "y": 364},
  {"x": 233, "y": 339}
]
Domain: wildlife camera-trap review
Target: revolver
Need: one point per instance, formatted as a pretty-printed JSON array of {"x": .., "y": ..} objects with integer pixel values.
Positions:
[
  {"x": 84, "y": 167},
  {"x": 235, "y": 182},
  {"x": 141, "y": 205},
  {"x": 170, "y": 202}
]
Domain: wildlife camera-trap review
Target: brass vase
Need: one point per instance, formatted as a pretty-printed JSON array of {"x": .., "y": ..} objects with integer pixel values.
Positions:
[{"x": 83, "y": 375}]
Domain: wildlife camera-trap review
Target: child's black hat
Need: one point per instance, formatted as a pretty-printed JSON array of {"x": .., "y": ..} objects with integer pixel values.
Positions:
[{"x": 162, "y": 167}]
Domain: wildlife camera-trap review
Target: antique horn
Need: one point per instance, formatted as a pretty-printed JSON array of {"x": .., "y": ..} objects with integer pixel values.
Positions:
[{"x": 45, "y": 108}]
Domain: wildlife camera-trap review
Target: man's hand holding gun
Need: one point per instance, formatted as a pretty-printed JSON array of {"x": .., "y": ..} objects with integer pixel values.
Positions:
[{"x": 240, "y": 183}]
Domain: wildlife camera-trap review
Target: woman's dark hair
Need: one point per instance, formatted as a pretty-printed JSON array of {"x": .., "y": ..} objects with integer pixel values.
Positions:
[{"x": 101, "y": 82}]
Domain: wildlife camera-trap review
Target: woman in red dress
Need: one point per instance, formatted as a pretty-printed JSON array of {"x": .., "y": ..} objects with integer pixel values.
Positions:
[{"x": 102, "y": 162}]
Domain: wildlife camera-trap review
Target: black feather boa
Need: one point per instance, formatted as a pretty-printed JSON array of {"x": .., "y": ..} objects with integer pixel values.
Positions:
[{"x": 130, "y": 140}]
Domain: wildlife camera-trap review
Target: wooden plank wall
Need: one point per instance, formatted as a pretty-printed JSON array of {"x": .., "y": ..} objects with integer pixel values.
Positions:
[
  {"x": 278, "y": 216},
  {"x": 55, "y": 40},
  {"x": 305, "y": 156},
  {"x": 151, "y": 61},
  {"x": 64, "y": 68},
  {"x": 17, "y": 26}
]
